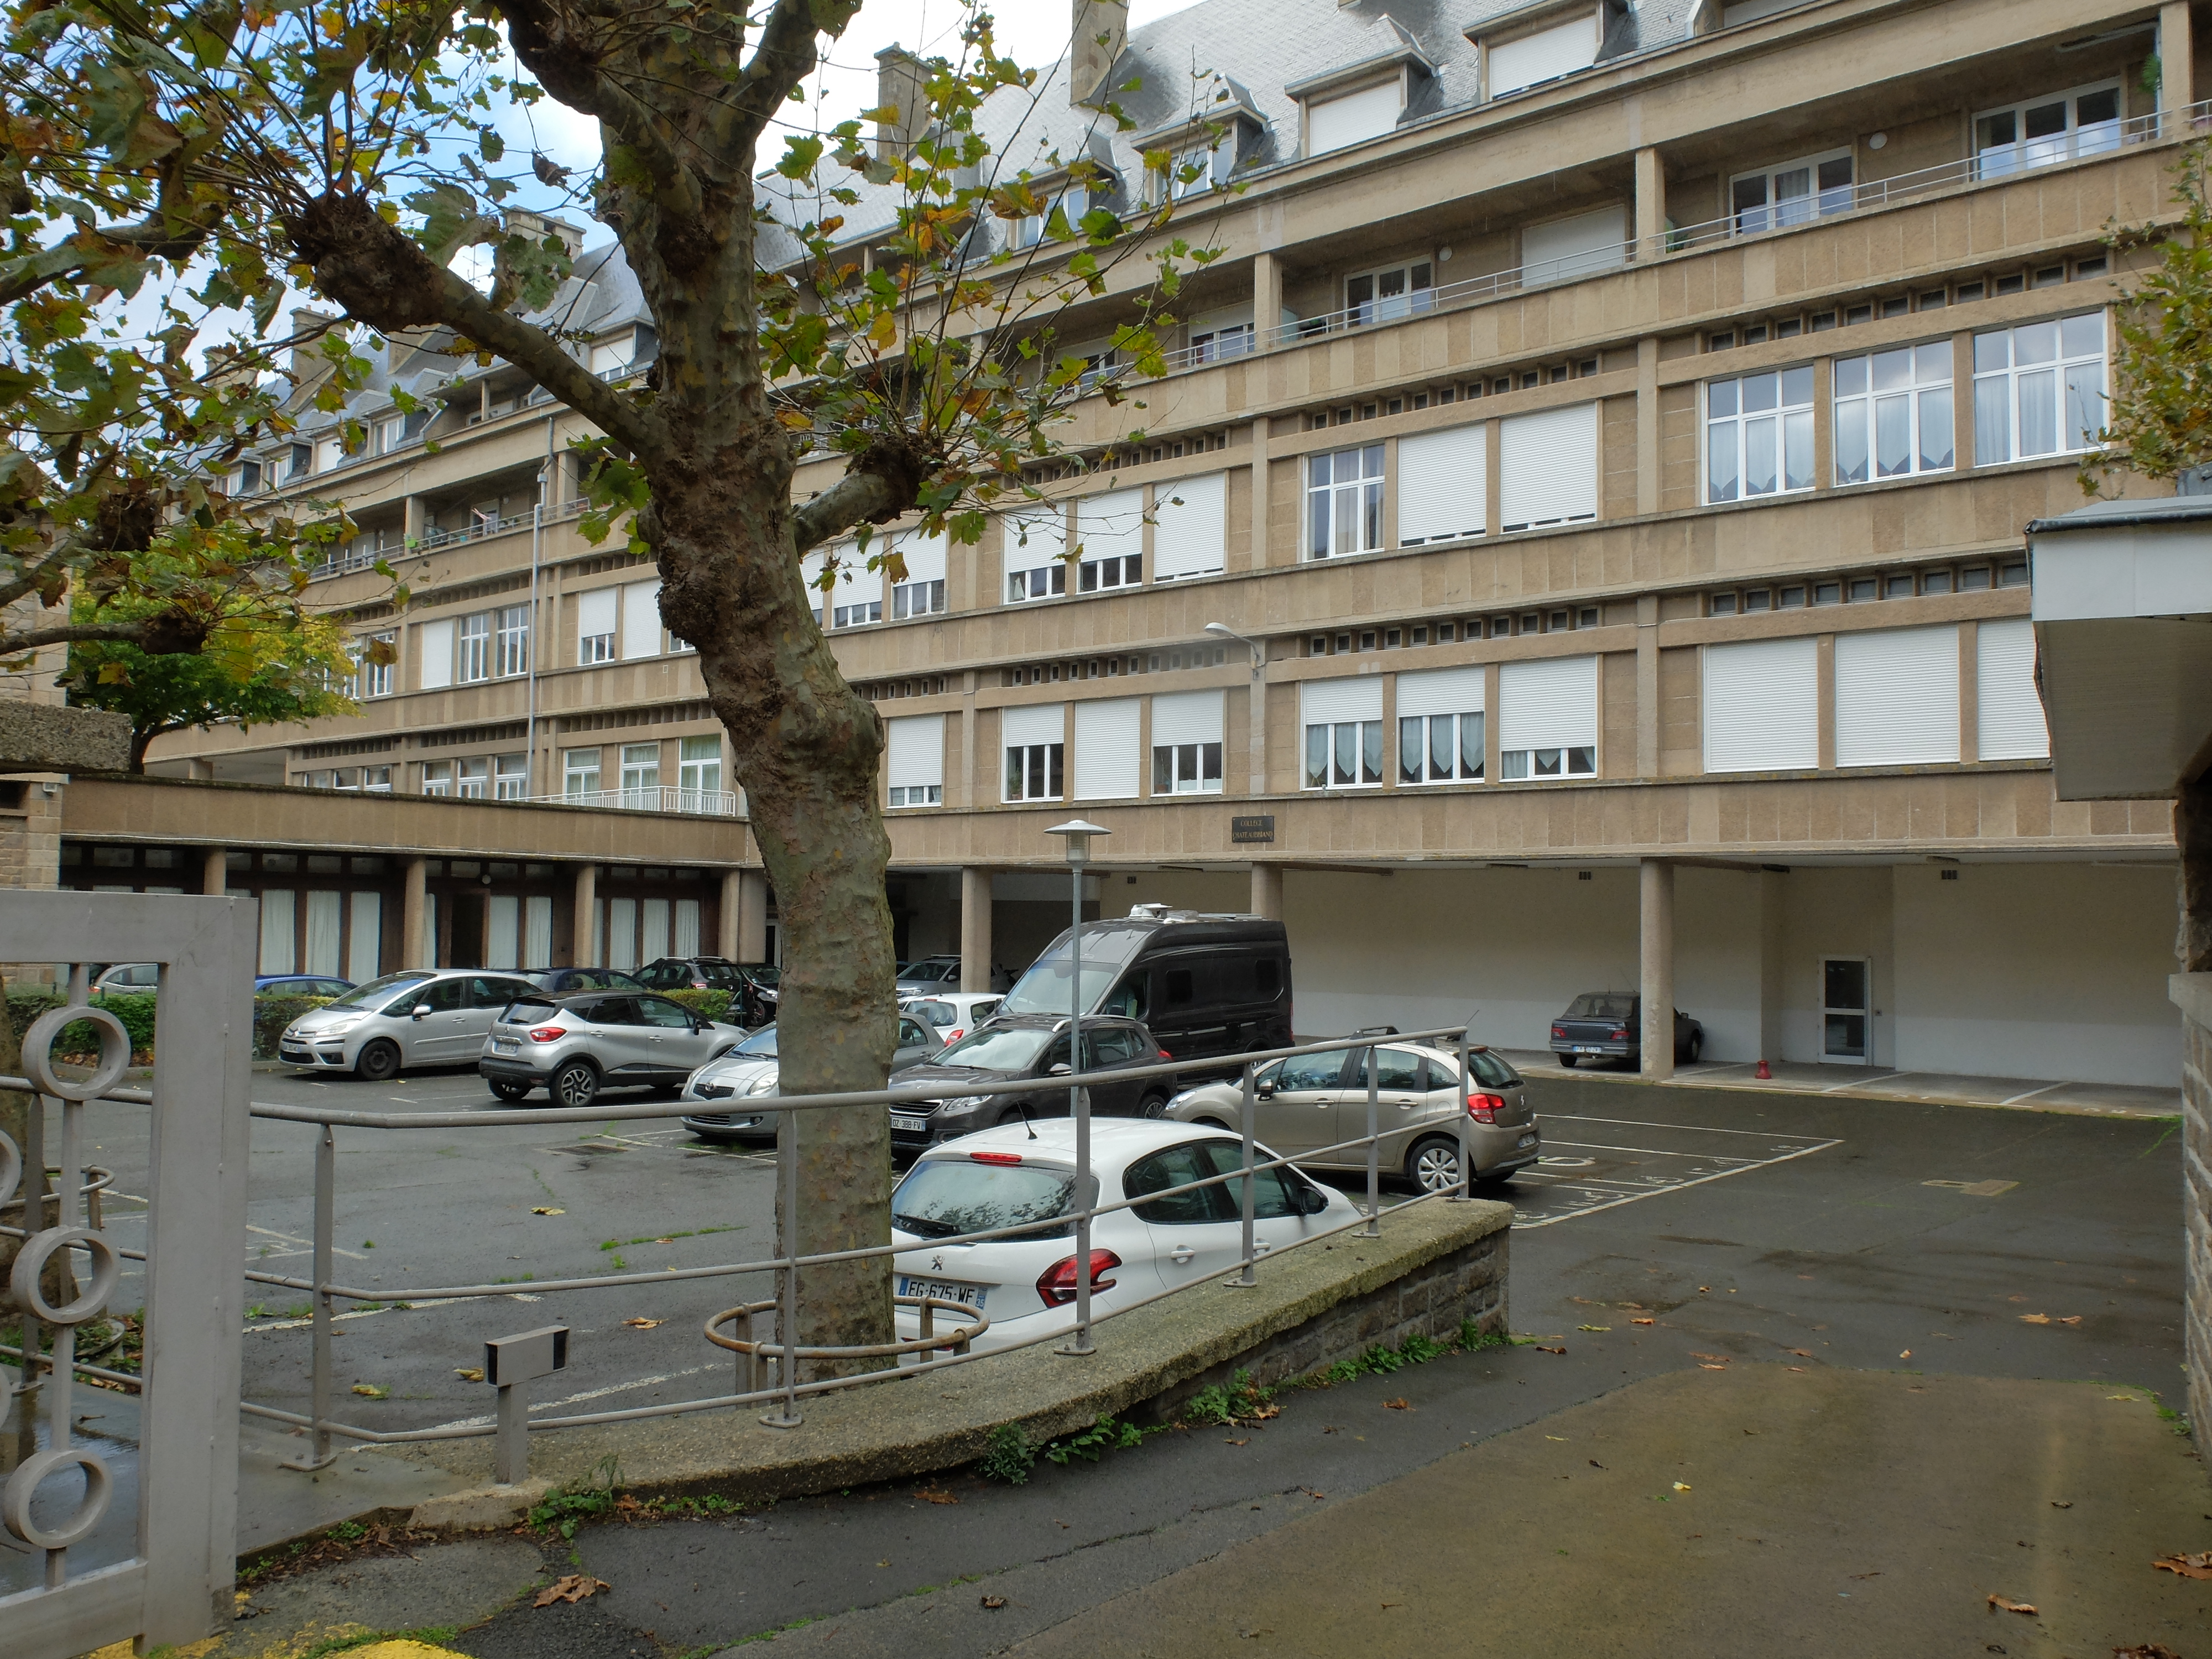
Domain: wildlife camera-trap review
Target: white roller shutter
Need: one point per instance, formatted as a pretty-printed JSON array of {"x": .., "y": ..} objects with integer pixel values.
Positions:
[
  {"x": 1442, "y": 691},
  {"x": 1326, "y": 702},
  {"x": 1897, "y": 697},
  {"x": 1763, "y": 706},
  {"x": 1034, "y": 723},
  {"x": 1551, "y": 703},
  {"x": 916, "y": 752},
  {"x": 436, "y": 643},
  {"x": 596, "y": 613},
  {"x": 640, "y": 629},
  {"x": 1544, "y": 57},
  {"x": 2009, "y": 715},
  {"x": 1106, "y": 750},
  {"x": 924, "y": 555},
  {"x": 1332, "y": 123},
  {"x": 1191, "y": 525},
  {"x": 1036, "y": 537},
  {"x": 1574, "y": 247},
  {"x": 1547, "y": 463},
  {"x": 1186, "y": 717},
  {"x": 1111, "y": 525},
  {"x": 1444, "y": 484}
]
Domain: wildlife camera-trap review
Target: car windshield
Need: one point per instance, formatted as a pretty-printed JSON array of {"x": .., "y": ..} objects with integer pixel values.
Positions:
[
  {"x": 1107, "y": 948},
  {"x": 761, "y": 1045},
  {"x": 1007, "y": 1048},
  {"x": 930, "y": 973},
  {"x": 942, "y": 1196},
  {"x": 936, "y": 1013},
  {"x": 363, "y": 996},
  {"x": 767, "y": 977},
  {"x": 1603, "y": 1005}
]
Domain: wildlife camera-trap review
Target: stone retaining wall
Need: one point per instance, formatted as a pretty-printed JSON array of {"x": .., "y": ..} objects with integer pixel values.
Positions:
[{"x": 2192, "y": 994}]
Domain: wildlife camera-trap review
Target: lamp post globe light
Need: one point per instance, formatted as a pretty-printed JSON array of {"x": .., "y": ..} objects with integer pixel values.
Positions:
[
  {"x": 1224, "y": 631},
  {"x": 1077, "y": 834}
]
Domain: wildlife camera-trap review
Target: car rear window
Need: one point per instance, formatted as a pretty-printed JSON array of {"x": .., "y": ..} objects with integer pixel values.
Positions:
[
  {"x": 942, "y": 1196},
  {"x": 1602, "y": 1005},
  {"x": 1491, "y": 1071},
  {"x": 936, "y": 1013},
  {"x": 528, "y": 1011}
]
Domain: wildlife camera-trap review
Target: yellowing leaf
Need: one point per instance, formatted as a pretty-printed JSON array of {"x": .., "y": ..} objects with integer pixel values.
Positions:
[
  {"x": 884, "y": 334},
  {"x": 645, "y": 1324},
  {"x": 469, "y": 1373},
  {"x": 372, "y": 1391},
  {"x": 547, "y": 1209}
]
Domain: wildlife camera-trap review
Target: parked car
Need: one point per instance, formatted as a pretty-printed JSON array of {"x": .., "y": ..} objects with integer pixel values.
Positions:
[
  {"x": 751, "y": 985},
  {"x": 299, "y": 985},
  {"x": 1201, "y": 984},
  {"x": 954, "y": 1013},
  {"x": 930, "y": 974},
  {"x": 583, "y": 979},
  {"x": 131, "y": 979},
  {"x": 749, "y": 1071},
  {"x": 1308, "y": 1102},
  {"x": 574, "y": 1044},
  {"x": 1609, "y": 1025},
  {"x": 418, "y": 1017},
  {"x": 1034, "y": 1047},
  {"x": 1003, "y": 1178}
]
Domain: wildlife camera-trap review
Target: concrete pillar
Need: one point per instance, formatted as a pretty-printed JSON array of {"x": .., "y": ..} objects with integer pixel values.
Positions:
[
  {"x": 1772, "y": 982},
  {"x": 2177, "y": 61},
  {"x": 1267, "y": 298},
  {"x": 1647, "y": 425},
  {"x": 215, "y": 872},
  {"x": 414, "y": 947},
  {"x": 974, "y": 929},
  {"x": 1656, "y": 982},
  {"x": 1256, "y": 737},
  {"x": 416, "y": 521},
  {"x": 726, "y": 931},
  {"x": 1267, "y": 892},
  {"x": 752, "y": 926},
  {"x": 1261, "y": 554},
  {"x": 1647, "y": 686},
  {"x": 1651, "y": 204},
  {"x": 586, "y": 915}
]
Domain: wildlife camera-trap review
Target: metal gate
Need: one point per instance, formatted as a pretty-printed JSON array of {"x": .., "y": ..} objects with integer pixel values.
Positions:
[{"x": 174, "y": 1584}]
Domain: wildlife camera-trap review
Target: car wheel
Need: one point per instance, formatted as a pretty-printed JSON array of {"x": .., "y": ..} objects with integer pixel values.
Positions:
[
  {"x": 1154, "y": 1106},
  {"x": 576, "y": 1084},
  {"x": 1567, "y": 1060},
  {"x": 1433, "y": 1166},
  {"x": 1696, "y": 1049},
  {"x": 378, "y": 1061},
  {"x": 508, "y": 1088}
]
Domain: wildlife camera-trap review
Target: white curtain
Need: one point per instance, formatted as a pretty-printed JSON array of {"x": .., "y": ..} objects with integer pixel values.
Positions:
[
  {"x": 687, "y": 927},
  {"x": 537, "y": 932},
  {"x": 326, "y": 925},
  {"x": 364, "y": 945},
  {"x": 506, "y": 931},
  {"x": 622, "y": 934},
  {"x": 656, "y": 931},
  {"x": 278, "y": 911}
]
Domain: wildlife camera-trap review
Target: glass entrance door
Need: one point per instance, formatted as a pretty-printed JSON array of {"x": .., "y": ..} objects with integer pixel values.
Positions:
[{"x": 1846, "y": 994}]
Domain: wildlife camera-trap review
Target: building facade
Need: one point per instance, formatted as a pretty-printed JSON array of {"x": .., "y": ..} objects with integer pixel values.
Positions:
[{"x": 1577, "y": 545}]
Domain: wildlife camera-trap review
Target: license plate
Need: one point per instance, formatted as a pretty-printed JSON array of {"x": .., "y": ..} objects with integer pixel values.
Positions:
[
  {"x": 1588, "y": 1048},
  {"x": 945, "y": 1290},
  {"x": 505, "y": 1045},
  {"x": 911, "y": 1125},
  {"x": 1527, "y": 1140}
]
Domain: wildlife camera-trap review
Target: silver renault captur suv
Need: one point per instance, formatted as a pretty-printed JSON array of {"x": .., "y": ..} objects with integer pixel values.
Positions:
[
  {"x": 418, "y": 1017},
  {"x": 573, "y": 1045}
]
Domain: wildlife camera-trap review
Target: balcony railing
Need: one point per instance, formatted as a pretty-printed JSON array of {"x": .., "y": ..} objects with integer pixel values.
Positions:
[{"x": 654, "y": 798}]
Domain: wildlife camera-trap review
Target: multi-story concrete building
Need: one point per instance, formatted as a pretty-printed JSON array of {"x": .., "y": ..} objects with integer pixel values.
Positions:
[{"x": 1578, "y": 544}]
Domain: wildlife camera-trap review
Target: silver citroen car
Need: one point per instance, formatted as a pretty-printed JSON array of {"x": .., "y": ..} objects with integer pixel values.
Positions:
[
  {"x": 418, "y": 1017},
  {"x": 1310, "y": 1104}
]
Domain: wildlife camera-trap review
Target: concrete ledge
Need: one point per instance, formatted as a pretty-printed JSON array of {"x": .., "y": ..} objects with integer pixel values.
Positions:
[
  {"x": 1436, "y": 1265},
  {"x": 37, "y": 737},
  {"x": 480, "y": 1507}
]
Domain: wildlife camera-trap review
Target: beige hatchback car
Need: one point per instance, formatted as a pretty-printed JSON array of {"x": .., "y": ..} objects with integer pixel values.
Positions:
[{"x": 1309, "y": 1101}]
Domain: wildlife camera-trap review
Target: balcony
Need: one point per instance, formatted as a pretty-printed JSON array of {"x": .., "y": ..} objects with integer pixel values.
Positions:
[{"x": 653, "y": 798}]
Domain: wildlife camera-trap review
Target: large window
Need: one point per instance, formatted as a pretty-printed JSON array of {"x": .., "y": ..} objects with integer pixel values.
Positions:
[
  {"x": 1344, "y": 502},
  {"x": 1111, "y": 530},
  {"x": 510, "y": 644},
  {"x": 1443, "y": 492},
  {"x": 1034, "y": 554},
  {"x": 1547, "y": 467},
  {"x": 914, "y": 760},
  {"x": 2040, "y": 389},
  {"x": 2042, "y": 132},
  {"x": 1343, "y": 721},
  {"x": 438, "y": 777},
  {"x": 922, "y": 593},
  {"x": 472, "y": 778},
  {"x": 596, "y": 611},
  {"x": 2010, "y": 713},
  {"x": 1897, "y": 696},
  {"x": 1352, "y": 117},
  {"x": 373, "y": 679},
  {"x": 472, "y": 659},
  {"x": 1380, "y": 297},
  {"x": 1759, "y": 434},
  {"x": 1762, "y": 705},
  {"x": 1790, "y": 194},
  {"x": 1894, "y": 413},
  {"x": 1072, "y": 200},
  {"x": 1187, "y": 743},
  {"x": 698, "y": 769},
  {"x": 580, "y": 771},
  {"x": 1441, "y": 726},
  {"x": 1033, "y": 739},
  {"x": 1107, "y": 757},
  {"x": 1560, "y": 49},
  {"x": 641, "y": 618},
  {"x": 640, "y": 771},
  {"x": 511, "y": 777},
  {"x": 1547, "y": 719},
  {"x": 1190, "y": 527}
]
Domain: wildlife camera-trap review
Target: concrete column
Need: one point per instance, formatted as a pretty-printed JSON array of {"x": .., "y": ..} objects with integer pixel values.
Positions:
[
  {"x": 1656, "y": 982},
  {"x": 1256, "y": 751},
  {"x": 1647, "y": 686},
  {"x": 414, "y": 947},
  {"x": 752, "y": 929},
  {"x": 1267, "y": 892},
  {"x": 974, "y": 929},
  {"x": 1772, "y": 985},
  {"x": 1969, "y": 691},
  {"x": 1647, "y": 424},
  {"x": 1651, "y": 204},
  {"x": 2177, "y": 60},
  {"x": 1267, "y": 298},
  {"x": 586, "y": 915},
  {"x": 1260, "y": 550},
  {"x": 417, "y": 520},
  {"x": 727, "y": 930},
  {"x": 215, "y": 872}
]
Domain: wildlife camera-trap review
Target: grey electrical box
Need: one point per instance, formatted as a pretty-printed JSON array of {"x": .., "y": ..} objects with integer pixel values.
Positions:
[{"x": 511, "y": 1359}]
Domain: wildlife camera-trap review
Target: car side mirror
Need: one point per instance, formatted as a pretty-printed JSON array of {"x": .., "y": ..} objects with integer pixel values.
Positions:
[
  {"x": 421, "y": 1009},
  {"x": 1062, "y": 1070},
  {"x": 1264, "y": 1090},
  {"x": 1312, "y": 1201}
]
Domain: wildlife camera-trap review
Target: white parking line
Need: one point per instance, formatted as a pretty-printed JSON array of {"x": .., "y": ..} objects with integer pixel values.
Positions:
[
  {"x": 1649, "y": 1151},
  {"x": 590, "y": 1394},
  {"x": 1645, "y": 1123},
  {"x": 1676, "y": 1186}
]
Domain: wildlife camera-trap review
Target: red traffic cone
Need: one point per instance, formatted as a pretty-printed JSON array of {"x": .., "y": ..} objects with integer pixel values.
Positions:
[{"x": 1763, "y": 1073}]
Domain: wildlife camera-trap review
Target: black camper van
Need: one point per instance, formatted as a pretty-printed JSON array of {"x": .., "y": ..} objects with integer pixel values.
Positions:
[{"x": 1203, "y": 984}]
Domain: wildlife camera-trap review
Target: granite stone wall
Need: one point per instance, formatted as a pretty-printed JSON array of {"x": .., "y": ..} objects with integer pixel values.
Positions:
[{"x": 2192, "y": 994}]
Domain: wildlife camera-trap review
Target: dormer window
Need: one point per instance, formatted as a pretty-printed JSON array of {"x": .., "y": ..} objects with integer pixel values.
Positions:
[
  {"x": 1545, "y": 42},
  {"x": 1341, "y": 120},
  {"x": 1072, "y": 200},
  {"x": 611, "y": 357}
]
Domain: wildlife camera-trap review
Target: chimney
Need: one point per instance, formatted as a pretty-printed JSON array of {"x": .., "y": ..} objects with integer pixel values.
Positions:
[
  {"x": 1101, "y": 32},
  {"x": 308, "y": 327},
  {"x": 521, "y": 221},
  {"x": 902, "y": 100}
]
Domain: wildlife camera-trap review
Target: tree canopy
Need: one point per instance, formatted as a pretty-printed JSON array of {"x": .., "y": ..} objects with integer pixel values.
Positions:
[{"x": 2159, "y": 422}]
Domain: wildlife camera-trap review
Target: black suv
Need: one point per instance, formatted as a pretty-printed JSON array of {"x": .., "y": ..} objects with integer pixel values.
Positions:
[
  {"x": 751, "y": 985},
  {"x": 1035, "y": 1047}
]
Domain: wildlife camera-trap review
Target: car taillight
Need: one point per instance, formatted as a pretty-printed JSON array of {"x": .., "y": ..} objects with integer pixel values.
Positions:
[
  {"x": 1558, "y": 1030},
  {"x": 996, "y": 1157},
  {"x": 1164, "y": 1055},
  {"x": 1620, "y": 1034},
  {"x": 955, "y": 1034},
  {"x": 1056, "y": 1285},
  {"x": 1484, "y": 1109},
  {"x": 548, "y": 1034}
]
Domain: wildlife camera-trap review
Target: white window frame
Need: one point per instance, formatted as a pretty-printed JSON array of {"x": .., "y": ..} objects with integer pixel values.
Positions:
[
  {"x": 1044, "y": 580},
  {"x": 376, "y": 780},
  {"x": 1411, "y": 289},
  {"x": 1326, "y": 503},
  {"x": 698, "y": 773},
  {"x": 510, "y": 779},
  {"x": 1187, "y": 768},
  {"x": 578, "y": 775},
  {"x": 592, "y": 649},
  {"x": 1221, "y": 344},
  {"x": 1463, "y": 730},
  {"x": 907, "y": 740},
  {"x": 1731, "y": 428},
  {"x": 330, "y": 452},
  {"x": 2022, "y": 154},
  {"x": 373, "y": 679},
  {"x": 472, "y": 649},
  {"x": 640, "y": 769},
  {"x": 2000, "y": 388},
  {"x": 1368, "y": 99},
  {"x": 511, "y": 641},
  {"x": 1909, "y": 390},
  {"x": 438, "y": 777},
  {"x": 1039, "y": 766},
  {"x": 1824, "y": 192},
  {"x": 1031, "y": 230},
  {"x": 473, "y": 777},
  {"x": 388, "y": 433},
  {"x": 1329, "y": 740},
  {"x": 1537, "y": 762}
]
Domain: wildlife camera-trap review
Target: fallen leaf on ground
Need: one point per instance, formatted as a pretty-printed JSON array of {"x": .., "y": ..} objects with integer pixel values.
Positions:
[
  {"x": 2071, "y": 1319},
  {"x": 1401, "y": 1404},
  {"x": 994, "y": 1602},
  {"x": 1594, "y": 1464},
  {"x": 1802, "y": 1354},
  {"x": 372, "y": 1391},
  {"x": 2188, "y": 1566},
  {"x": 1907, "y": 1354},
  {"x": 1560, "y": 1438},
  {"x": 469, "y": 1373},
  {"x": 1310, "y": 1493},
  {"x": 2062, "y": 1502},
  {"x": 645, "y": 1324},
  {"x": 663, "y": 1241},
  {"x": 2001, "y": 1605},
  {"x": 1704, "y": 1289},
  {"x": 1593, "y": 1327},
  {"x": 547, "y": 1209},
  {"x": 2035, "y": 1319},
  {"x": 1720, "y": 1357},
  {"x": 1712, "y": 1368},
  {"x": 1794, "y": 1368},
  {"x": 1246, "y": 1441},
  {"x": 1639, "y": 1322},
  {"x": 1678, "y": 1487},
  {"x": 1541, "y": 1348},
  {"x": 934, "y": 1495},
  {"x": 570, "y": 1587},
  {"x": 1857, "y": 1576}
]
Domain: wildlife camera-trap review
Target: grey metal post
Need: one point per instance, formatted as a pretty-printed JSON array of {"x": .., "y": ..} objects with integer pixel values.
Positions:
[
  {"x": 1374, "y": 1147},
  {"x": 321, "y": 1335},
  {"x": 1079, "y": 1106},
  {"x": 35, "y": 1220},
  {"x": 510, "y": 1451},
  {"x": 1465, "y": 1124},
  {"x": 1244, "y": 1126},
  {"x": 786, "y": 1415}
]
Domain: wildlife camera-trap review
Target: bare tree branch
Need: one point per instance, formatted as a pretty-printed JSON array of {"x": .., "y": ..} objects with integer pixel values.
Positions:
[
  {"x": 785, "y": 56},
  {"x": 568, "y": 65}
]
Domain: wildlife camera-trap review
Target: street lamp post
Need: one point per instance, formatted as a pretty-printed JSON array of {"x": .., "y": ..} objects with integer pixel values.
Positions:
[{"x": 1077, "y": 833}]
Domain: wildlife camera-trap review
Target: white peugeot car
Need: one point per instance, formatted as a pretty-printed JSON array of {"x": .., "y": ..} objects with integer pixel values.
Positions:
[{"x": 1015, "y": 1174}]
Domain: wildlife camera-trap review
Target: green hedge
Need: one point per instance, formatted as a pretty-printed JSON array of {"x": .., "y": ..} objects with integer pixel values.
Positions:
[
  {"x": 272, "y": 1014},
  {"x": 713, "y": 1004},
  {"x": 136, "y": 1010}
]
